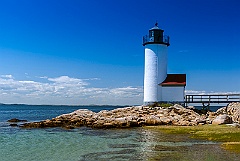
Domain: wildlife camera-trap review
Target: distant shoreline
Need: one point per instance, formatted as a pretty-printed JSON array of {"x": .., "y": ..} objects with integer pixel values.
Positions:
[{"x": 16, "y": 104}]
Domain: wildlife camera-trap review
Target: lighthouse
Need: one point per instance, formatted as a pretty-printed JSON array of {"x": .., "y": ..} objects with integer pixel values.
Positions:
[{"x": 156, "y": 79}]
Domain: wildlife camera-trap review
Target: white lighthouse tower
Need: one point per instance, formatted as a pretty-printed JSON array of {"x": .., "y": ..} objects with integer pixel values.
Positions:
[{"x": 155, "y": 71}]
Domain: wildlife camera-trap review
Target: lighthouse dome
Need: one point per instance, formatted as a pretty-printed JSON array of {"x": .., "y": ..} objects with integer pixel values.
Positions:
[
  {"x": 155, "y": 28},
  {"x": 156, "y": 36}
]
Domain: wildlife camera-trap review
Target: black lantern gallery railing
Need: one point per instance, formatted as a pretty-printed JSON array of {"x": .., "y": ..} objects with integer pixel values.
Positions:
[{"x": 156, "y": 40}]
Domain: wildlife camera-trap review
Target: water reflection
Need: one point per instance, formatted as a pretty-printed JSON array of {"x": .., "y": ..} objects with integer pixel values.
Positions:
[
  {"x": 156, "y": 145},
  {"x": 151, "y": 144}
]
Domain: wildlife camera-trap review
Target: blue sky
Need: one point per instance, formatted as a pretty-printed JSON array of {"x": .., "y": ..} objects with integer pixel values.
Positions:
[{"x": 90, "y": 51}]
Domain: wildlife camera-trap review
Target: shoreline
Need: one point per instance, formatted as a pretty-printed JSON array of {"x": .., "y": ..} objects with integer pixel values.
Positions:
[{"x": 149, "y": 142}]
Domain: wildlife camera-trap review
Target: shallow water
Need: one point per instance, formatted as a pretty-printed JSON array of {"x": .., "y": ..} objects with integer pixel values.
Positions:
[{"x": 56, "y": 144}]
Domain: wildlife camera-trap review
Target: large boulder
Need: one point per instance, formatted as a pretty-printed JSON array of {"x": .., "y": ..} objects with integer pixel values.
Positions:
[
  {"x": 165, "y": 120},
  {"x": 153, "y": 120},
  {"x": 233, "y": 109},
  {"x": 222, "y": 119}
]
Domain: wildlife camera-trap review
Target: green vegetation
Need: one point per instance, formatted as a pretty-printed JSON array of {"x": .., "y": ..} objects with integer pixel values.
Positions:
[
  {"x": 230, "y": 136},
  {"x": 232, "y": 146},
  {"x": 157, "y": 104}
]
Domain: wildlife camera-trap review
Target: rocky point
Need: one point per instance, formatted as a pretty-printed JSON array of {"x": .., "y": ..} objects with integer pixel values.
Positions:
[{"x": 139, "y": 116}]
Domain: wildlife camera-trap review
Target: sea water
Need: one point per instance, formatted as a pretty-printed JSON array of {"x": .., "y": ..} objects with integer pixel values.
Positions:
[{"x": 57, "y": 144}]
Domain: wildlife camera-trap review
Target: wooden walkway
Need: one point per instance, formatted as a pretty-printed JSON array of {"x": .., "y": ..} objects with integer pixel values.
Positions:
[{"x": 212, "y": 98}]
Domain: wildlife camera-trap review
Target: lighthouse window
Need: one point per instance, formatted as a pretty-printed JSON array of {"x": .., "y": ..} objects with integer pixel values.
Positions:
[{"x": 152, "y": 33}]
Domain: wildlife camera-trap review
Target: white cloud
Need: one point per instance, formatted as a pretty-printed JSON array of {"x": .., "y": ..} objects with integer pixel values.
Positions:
[
  {"x": 43, "y": 77},
  {"x": 64, "y": 90},
  {"x": 65, "y": 79},
  {"x": 127, "y": 91},
  {"x": 195, "y": 92},
  {"x": 7, "y": 76},
  {"x": 92, "y": 79}
]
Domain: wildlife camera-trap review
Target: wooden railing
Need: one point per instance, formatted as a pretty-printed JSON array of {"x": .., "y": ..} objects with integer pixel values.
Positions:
[{"x": 212, "y": 98}]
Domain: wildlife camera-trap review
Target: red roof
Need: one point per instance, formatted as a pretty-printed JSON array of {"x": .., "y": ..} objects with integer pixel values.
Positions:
[{"x": 174, "y": 80}]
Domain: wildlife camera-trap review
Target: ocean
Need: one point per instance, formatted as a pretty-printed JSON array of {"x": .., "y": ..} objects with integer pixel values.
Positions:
[{"x": 86, "y": 144}]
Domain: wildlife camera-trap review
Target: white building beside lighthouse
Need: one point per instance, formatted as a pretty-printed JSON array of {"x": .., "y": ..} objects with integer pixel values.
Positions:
[{"x": 158, "y": 85}]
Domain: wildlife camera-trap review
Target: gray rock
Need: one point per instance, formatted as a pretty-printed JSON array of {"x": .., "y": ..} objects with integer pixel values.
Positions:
[
  {"x": 222, "y": 119},
  {"x": 16, "y": 120}
]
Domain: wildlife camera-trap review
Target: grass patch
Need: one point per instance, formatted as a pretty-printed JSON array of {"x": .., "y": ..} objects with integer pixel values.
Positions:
[
  {"x": 232, "y": 146},
  {"x": 157, "y": 104},
  {"x": 230, "y": 136}
]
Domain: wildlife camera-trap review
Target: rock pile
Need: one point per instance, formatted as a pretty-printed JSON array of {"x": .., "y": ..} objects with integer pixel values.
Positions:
[
  {"x": 124, "y": 117},
  {"x": 140, "y": 116}
]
